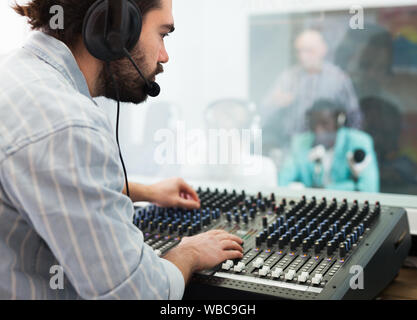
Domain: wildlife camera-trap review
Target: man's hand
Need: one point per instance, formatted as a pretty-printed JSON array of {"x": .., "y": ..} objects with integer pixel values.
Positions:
[
  {"x": 205, "y": 251},
  {"x": 169, "y": 193},
  {"x": 174, "y": 193}
]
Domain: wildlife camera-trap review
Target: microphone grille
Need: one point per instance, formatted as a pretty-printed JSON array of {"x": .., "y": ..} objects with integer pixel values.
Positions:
[
  {"x": 154, "y": 89},
  {"x": 359, "y": 155}
]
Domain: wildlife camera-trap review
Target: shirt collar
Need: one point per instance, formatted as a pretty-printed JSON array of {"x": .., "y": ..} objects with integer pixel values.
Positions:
[{"x": 59, "y": 56}]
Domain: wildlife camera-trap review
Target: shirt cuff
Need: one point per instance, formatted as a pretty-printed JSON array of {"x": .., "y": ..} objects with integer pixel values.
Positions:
[{"x": 176, "y": 280}]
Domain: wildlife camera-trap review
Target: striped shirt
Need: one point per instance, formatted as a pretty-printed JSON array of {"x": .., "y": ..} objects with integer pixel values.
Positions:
[{"x": 61, "y": 182}]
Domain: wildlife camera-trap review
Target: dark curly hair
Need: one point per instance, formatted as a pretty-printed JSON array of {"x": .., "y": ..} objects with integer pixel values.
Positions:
[{"x": 38, "y": 14}]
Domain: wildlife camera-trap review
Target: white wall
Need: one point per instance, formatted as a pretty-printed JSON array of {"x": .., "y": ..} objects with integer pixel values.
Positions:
[
  {"x": 13, "y": 28},
  {"x": 208, "y": 56}
]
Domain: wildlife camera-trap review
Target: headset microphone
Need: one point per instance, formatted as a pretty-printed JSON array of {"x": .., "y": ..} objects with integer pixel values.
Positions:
[{"x": 152, "y": 88}]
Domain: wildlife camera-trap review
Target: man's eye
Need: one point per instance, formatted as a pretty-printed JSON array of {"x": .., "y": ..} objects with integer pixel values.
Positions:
[{"x": 163, "y": 35}]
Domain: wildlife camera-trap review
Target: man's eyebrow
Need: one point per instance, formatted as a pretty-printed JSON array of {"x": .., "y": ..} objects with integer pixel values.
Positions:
[{"x": 170, "y": 27}]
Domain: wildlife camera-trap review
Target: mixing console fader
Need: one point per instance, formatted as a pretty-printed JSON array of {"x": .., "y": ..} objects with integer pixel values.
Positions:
[{"x": 294, "y": 248}]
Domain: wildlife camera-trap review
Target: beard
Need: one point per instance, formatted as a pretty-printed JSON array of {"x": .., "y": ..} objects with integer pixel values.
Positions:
[{"x": 132, "y": 88}]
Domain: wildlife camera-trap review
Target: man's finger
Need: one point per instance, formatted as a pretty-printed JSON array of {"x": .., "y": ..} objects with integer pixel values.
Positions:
[
  {"x": 229, "y": 236},
  {"x": 189, "y": 190},
  {"x": 231, "y": 245},
  {"x": 188, "y": 204},
  {"x": 218, "y": 232},
  {"x": 232, "y": 254}
]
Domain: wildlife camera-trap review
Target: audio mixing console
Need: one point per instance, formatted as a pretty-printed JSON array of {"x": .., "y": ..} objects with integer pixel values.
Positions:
[{"x": 293, "y": 248}]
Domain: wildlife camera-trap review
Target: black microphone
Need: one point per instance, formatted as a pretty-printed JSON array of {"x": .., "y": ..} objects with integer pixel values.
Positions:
[
  {"x": 358, "y": 161},
  {"x": 152, "y": 88},
  {"x": 359, "y": 155}
]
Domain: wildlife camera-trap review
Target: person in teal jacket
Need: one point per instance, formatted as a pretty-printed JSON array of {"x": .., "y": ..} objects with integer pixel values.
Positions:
[{"x": 331, "y": 155}]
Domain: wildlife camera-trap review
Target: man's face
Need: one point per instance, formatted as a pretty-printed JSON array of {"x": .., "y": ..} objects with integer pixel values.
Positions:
[
  {"x": 311, "y": 50},
  {"x": 149, "y": 54}
]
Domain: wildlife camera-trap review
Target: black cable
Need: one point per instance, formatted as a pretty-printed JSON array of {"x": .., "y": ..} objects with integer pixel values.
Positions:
[
  {"x": 116, "y": 89},
  {"x": 127, "y": 54}
]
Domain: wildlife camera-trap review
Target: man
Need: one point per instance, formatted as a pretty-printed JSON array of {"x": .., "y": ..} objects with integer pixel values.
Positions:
[
  {"x": 296, "y": 90},
  {"x": 330, "y": 155},
  {"x": 61, "y": 182}
]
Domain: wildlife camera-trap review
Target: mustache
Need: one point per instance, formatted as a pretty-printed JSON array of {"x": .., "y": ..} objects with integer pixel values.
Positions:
[{"x": 159, "y": 69}]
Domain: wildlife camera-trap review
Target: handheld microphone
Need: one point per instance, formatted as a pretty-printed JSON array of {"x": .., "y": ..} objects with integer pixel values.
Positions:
[
  {"x": 317, "y": 153},
  {"x": 358, "y": 162},
  {"x": 152, "y": 88}
]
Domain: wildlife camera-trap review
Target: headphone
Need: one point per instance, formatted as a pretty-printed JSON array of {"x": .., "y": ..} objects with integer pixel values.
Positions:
[{"x": 111, "y": 29}]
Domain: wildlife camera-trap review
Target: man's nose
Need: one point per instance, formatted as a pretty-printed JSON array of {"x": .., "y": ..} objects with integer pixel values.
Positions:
[{"x": 163, "y": 55}]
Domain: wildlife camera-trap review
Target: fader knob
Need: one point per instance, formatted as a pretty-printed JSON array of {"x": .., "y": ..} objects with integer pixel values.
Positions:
[
  {"x": 264, "y": 222},
  {"x": 269, "y": 241},
  {"x": 342, "y": 250},
  {"x": 245, "y": 218},
  {"x": 306, "y": 244},
  {"x": 294, "y": 243},
  {"x": 282, "y": 242},
  {"x": 317, "y": 246},
  {"x": 330, "y": 248}
]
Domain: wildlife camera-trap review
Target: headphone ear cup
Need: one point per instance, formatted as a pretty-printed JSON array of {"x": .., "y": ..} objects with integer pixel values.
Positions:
[{"x": 94, "y": 31}]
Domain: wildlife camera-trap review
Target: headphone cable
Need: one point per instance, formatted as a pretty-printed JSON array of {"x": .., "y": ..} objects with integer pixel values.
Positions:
[{"x": 116, "y": 89}]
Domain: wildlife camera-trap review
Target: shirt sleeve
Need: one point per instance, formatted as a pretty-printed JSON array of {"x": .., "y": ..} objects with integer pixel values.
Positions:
[{"x": 69, "y": 187}]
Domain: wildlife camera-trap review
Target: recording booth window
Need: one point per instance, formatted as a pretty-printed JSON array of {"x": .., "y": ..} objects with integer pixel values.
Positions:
[
  {"x": 283, "y": 64},
  {"x": 369, "y": 73},
  {"x": 287, "y": 61}
]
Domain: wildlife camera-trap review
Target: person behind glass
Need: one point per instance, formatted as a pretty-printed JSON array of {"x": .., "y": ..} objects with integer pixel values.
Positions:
[
  {"x": 331, "y": 155},
  {"x": 311, "y": 79}
]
